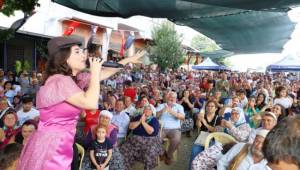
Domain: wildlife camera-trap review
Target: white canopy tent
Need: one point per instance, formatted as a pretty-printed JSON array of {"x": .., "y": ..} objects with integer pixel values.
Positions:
[
  {"x": 290, "y": 63},
  {"x": 207, "y": 64}
]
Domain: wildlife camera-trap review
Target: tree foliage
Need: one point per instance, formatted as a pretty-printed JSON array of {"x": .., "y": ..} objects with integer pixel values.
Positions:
[
  {"x": 166, "y": 51},
  {"x": 203, "y": 43},
  {"x": 10, "y": 6}
]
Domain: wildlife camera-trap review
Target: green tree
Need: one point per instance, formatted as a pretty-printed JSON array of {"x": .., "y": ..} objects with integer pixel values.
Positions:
[
  {"x": 166, "y": 50},
  {"x": 10, "y": 6}
]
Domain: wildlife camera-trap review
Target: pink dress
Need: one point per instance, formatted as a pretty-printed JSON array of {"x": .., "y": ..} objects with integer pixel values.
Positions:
[{"x": 50, "y": 147}]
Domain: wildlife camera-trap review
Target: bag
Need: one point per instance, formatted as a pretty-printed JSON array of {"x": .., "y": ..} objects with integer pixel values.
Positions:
[
  {"x": 187, "y": 125},
  {"x": 201, "y": 138}
]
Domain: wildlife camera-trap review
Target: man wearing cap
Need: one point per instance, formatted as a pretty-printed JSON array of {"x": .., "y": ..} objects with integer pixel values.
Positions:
[
  {"x": 244, "y": 156},
  {"x": 269, "y": 120}
]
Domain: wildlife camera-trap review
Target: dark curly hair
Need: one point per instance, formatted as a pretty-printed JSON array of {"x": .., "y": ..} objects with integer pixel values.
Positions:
[{"x": 57, "y": 63}]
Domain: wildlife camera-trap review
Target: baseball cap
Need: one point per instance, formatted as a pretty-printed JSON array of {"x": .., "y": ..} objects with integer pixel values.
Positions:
[{"x": 57, "y": 43}]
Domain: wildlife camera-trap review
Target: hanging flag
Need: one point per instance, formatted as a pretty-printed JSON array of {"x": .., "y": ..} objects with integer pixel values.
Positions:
[
  {"x": 122, "y": 44},
  {"x": 71, "y": 28},
  {"x": 129, "y": 42},
  {"x": 94, "y": 30}
]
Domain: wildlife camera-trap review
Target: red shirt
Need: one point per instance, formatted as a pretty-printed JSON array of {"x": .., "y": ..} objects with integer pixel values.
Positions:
[
  {"x": 90, "y": 120},
  {"x": 130, "y": 92}
]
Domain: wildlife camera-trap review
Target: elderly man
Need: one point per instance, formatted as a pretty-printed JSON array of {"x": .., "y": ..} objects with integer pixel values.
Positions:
[
  {"x": 121, "y": 119},
  {"x": 244, "y": 156},
  {"x": 171, "y": 113},
  {"x": 269, "y": 120}
]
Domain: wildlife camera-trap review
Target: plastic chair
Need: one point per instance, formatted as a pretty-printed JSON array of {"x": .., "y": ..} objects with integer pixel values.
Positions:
[
  {"x": 81, "y": 152},
  {"x": 220, "y": 137}
]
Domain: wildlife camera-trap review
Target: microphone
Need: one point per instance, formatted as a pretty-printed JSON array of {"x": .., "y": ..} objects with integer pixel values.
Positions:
[
  {"x": 94, "y": 50},
  {"x": 107, "y": 64}
]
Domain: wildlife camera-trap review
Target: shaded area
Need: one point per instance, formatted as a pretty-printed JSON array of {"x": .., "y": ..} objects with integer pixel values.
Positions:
[{"x": 240, "y": 26}]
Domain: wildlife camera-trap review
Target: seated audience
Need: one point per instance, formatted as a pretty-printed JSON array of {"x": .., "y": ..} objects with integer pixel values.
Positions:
[
  {"x": 27, "y": 129},
  {"x": 9, "y": 156},
  {"x": 121, "y": 120},
  {"x": 281, "y": 146},
  {"x": 144, "y": 144},
  {"x": 28, "y": 111},
  {"x": 243, "y": 156},
  {"x": 171, "y": 113},
  {"x": 10, "y": 128}
]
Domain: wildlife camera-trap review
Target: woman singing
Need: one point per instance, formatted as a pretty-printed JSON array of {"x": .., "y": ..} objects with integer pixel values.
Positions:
[{"x": 60, "y": 101}]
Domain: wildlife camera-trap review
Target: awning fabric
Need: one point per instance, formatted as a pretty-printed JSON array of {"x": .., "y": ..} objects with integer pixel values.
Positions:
[
  {"x": 240, "y": 26},
  {"x": 216, "y": 54},
  {"x": 289, "y": 63}
]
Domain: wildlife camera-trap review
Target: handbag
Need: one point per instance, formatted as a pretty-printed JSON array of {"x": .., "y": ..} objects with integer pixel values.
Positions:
[{"x": 187, "y": 125}]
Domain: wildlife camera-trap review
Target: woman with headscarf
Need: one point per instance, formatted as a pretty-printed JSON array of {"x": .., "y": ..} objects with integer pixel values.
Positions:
[
  {"x": 10, "y": 128},
  {"x": 105, "y": 117},
  {"x": 117, "y": 161},
  {"x": 144, "y": 144},
  {"x": 237, "y": 126}
]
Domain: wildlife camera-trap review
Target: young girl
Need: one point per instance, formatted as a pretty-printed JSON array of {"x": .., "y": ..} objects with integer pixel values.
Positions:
[{"x": 101, "y": 149}]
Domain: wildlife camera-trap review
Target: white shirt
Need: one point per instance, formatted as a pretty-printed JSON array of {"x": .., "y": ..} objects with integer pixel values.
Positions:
[
  {"x": 286, "y": 102},
  {"x": 122, "y": 121},
  {"x": 247, "y": 162},
  {"x": 244, "y": 102},
  {"x": 130, "y": 110},
  {"x": 23, "y": 116}
]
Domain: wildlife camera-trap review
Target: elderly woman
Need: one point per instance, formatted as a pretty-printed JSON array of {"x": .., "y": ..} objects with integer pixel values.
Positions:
[
  {"x": 144, "y": 145},
  {"x": 237, "y": 126},
  {"x": 144, "y": 102},
  {"x": 10, "y": 129},
  {"x": 105, "y": 118}
]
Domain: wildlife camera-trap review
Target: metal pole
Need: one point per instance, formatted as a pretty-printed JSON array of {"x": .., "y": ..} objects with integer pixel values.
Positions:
[
  {"x": 5, "y": 56},
  {"x": 34, "y": 55}
]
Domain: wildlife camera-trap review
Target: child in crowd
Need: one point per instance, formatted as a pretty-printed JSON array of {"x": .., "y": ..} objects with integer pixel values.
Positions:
[{"x": 101, "y": 150}]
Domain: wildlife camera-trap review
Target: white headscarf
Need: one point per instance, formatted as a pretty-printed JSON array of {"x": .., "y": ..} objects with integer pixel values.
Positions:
[
  {"x": 106, "y": 113},
  {"x": 242, "y": 118}
]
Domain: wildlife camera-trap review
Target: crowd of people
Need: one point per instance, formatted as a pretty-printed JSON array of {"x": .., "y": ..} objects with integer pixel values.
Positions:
[{"x": 140, "y": 108}]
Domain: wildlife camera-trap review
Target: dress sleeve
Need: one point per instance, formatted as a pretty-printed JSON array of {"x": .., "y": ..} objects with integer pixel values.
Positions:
[
  {"x": 83, "y": 80},
  {"x": 57, "y": 89}
]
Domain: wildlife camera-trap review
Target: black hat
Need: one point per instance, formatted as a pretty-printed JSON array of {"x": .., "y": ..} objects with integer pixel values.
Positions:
[{"x": 57, "y": 43}]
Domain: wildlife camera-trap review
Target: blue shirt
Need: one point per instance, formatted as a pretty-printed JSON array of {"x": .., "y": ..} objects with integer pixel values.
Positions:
[
  {"x": 140, "y": 130},
  {"x": 170, "y": 121},
  {"x": 122, "y": 121}
]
